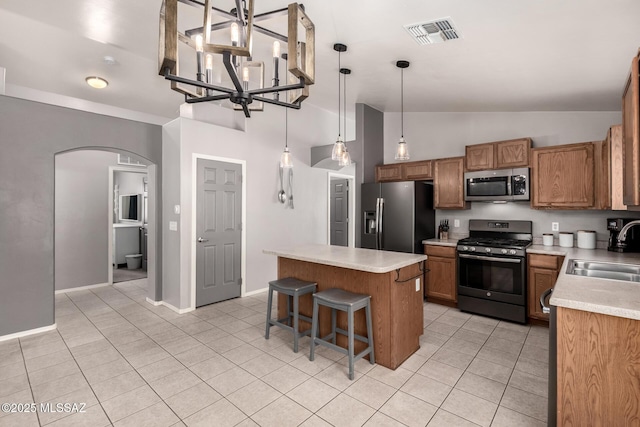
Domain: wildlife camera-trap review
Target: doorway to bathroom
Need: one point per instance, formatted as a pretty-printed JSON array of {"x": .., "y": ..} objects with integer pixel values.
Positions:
[{"x": 128, "y": 207}]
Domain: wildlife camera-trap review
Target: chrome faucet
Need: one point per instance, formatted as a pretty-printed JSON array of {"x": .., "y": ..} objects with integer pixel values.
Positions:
[{"x": 622, "y": 235}]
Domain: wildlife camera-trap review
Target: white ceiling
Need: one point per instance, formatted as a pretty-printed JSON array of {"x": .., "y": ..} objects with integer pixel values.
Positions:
[{"x": 542, "y": 55}]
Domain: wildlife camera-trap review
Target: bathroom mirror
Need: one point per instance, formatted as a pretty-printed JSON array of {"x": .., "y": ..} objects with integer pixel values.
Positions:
[{"x": 130, "y": 207}]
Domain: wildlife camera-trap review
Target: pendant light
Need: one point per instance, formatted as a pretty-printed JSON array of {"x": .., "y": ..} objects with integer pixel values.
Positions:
[
  {"x": 338, "y": 147},
  {"x": 402, "y": 152},
  {"x": 286, "y": 160},
  {"x": 345, "y": 158}
]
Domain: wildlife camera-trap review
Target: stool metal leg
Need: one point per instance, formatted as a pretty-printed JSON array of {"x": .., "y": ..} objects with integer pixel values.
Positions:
[
  {"x": 289, "y": 310},
  {"x": 334, "y": 314},
  {"x": 351, "y": 343},
  {"x": 295, "y": 323},
  {"x": 270, "y": 300},
  {"x": 372, "y": 358},
  {"x": 314, "y": 329}
]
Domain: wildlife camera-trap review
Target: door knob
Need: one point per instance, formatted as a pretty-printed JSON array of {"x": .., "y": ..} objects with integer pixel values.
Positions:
[{"x": 201, "y": 240}]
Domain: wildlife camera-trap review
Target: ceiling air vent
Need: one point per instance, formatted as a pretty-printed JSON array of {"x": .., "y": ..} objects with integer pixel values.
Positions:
[{"x": 438, "y": 31}]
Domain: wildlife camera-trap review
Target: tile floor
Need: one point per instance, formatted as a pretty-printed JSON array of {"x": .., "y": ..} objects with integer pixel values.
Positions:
[{"x": 134, "y": 364}]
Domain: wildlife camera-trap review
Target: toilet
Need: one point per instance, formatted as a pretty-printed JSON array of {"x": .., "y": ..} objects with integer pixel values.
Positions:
[{"x": 134, "y": 261}]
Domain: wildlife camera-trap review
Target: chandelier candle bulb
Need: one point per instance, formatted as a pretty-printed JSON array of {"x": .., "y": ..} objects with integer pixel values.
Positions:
[
  {"x": 235, "y": 34},
  {"x": 276, "y": 65}
]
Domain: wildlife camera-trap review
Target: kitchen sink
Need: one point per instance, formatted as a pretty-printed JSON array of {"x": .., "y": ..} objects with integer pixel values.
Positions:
[{"x": 604, "y": 270}]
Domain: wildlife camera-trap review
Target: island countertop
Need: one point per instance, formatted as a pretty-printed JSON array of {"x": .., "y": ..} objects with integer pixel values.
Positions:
[{"x": 369, "y": 260}]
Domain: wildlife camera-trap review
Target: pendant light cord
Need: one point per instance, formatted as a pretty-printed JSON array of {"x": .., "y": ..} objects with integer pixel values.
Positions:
[
  {"x": 402, "y": 102},
  {"x": 345, "y": 109},
  {"x": 286, "y": 127},
  {"x": 339, "y": 93}
]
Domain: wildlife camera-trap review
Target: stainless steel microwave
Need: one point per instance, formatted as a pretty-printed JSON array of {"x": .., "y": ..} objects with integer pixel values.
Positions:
[{"x": 497, "y": 185}]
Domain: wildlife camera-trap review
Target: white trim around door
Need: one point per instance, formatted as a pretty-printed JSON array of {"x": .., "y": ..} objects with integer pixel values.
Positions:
[
  {"x": 193, "y": 237},
  {"x": 352, "y": 206}
]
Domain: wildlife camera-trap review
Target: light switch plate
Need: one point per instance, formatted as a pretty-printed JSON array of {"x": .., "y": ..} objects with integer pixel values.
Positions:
[
  {"x": 418, "y": 284},
  {"x": 456, "y": 223},
  {"x": 176, "y": 209},
  {"x": 173, "y": 225}
]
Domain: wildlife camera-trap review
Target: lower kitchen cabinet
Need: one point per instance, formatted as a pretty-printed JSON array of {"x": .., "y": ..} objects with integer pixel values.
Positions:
[
  {"x": 542, "y": 275},
  {"x": 598, "y": 360},
  {"x": 441, "y": 276}
]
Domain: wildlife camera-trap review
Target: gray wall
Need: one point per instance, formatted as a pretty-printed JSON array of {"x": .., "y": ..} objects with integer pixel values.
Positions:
[
  {"x": 81, "y": 217},
  {"x": 269, "y": 224},
  {"x": 437, "y": 135},
  {"x": 370, "y": 141},
  {"x": 30, "y": 135}
]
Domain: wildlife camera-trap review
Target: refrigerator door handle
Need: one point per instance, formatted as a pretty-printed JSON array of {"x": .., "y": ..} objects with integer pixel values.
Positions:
[
  {"x": 377, "y": 222},
  {"x": 380, "y": 229}
]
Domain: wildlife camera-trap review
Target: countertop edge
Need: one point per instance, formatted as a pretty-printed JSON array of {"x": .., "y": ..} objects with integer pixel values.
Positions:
[
  {"x": 441, "y": 242},
  {"x": 416, "y": 258}
]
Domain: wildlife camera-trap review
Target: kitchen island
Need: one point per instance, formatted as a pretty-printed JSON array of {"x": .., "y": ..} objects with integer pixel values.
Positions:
[{"x": 393, "y": 280}]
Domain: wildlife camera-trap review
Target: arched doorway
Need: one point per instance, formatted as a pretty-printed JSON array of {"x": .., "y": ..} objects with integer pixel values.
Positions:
[{"x": 84, "y": 217}]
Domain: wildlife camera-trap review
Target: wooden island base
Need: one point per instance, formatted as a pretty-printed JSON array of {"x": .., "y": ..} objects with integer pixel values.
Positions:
[{"x": 396, "y": 306}]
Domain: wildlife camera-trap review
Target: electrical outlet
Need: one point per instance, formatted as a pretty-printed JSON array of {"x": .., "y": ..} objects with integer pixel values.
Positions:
[
  {"x": 456, "y": 223},
  {"x": 555, "y": 226},
  {"x": 418, "y": 284},
  {"x": 173, "y": 225}
]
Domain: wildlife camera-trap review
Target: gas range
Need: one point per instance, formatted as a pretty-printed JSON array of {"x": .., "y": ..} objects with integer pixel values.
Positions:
[{"x": 492, "y": 269}]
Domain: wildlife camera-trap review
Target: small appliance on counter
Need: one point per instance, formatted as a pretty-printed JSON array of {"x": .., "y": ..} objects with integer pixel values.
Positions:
[{"x": 631, "y": 243}]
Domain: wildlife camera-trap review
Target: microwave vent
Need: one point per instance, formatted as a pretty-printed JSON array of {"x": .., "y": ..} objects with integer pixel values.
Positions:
[{"x": 437, "y": 31}]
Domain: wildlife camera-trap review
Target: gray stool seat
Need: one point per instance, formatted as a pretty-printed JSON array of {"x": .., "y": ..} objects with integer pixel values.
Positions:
[
  {"x": 349, "y": 302},
  {"x": 293, "y": 288}
]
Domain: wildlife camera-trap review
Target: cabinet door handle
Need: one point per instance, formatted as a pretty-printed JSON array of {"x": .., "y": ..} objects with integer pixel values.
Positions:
[{"x": 201, "y": 240}]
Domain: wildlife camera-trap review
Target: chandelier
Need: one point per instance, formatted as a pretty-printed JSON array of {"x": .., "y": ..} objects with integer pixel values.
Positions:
[{"x": 231, "y": 34}]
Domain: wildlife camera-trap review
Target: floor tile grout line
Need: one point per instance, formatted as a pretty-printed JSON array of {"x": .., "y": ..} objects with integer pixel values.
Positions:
[{"x": 29, "y": 380}]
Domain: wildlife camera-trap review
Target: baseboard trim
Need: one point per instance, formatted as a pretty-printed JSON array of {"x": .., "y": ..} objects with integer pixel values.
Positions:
[
  {"x": 152, "y": 302},
  {"x": 29, "y": 332},
  {"x": 81, "y": 288},
  {"x": 259, "y": 291},
  {"x": 177, "y": 310}
]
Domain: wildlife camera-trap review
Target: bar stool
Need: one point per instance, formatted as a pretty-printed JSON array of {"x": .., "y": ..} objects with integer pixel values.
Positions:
[
  {"x": 337, "y": 299},
  {"x": 293, "y": 288}
]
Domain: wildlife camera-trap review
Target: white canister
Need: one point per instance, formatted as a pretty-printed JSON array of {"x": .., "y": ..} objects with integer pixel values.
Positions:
[
  {"x": 566, "y": 239},
  {"x": 586, "y": 239},
  {"x": 547, "y": 239}
]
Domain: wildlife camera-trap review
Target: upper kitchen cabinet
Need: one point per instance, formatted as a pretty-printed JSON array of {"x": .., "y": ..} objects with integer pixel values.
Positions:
[
  {"x": 410, "y": 171},
  {"x": 563, "y": 176},
  {"x": 448, "y": 183},
  {"x": 631, "y": 137},
  {"x": 613, "y": 159},
  {"x": 387, "y": 173},
  {"x": 480, "y": 157},
  {"x": 417, "y": 170},
  {"x": 513, "y": 153}
]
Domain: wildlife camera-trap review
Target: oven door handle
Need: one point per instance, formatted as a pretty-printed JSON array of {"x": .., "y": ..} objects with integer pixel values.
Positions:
[
  {"x": 545, "y": 294},
  {"x": 486, "y": 258}
]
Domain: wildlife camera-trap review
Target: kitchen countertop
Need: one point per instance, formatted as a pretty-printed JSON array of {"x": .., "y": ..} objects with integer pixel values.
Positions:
[
  {"x": 604, "y": 296},
  {"x": 441, "y": 242},
  {"x": 369, "y": 260}
]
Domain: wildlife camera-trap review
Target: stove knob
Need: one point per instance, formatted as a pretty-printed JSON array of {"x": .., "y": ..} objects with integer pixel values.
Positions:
[
  {"x": 512, "y": 251},
  {"x": 504, "y": 251},
  {"x": 472, "y": 249},
  {"x": 465, "y": 248},
  {"x": 487, "y": 249}
]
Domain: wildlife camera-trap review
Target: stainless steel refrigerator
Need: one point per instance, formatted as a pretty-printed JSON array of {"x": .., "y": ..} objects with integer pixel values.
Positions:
[{"x": 397, "y": 216}]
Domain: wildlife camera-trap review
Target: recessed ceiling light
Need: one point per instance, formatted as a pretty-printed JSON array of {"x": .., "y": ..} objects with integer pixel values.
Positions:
[{"x": 96, "y": 82}]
